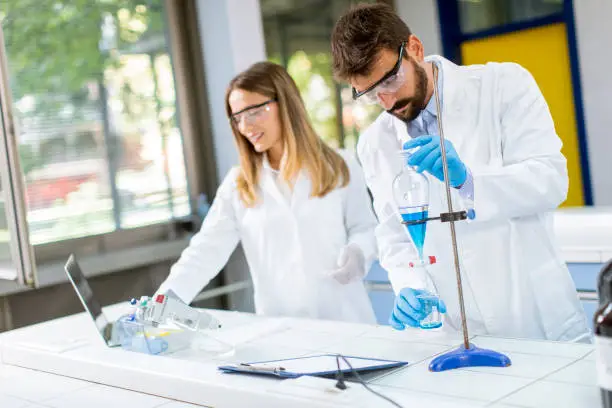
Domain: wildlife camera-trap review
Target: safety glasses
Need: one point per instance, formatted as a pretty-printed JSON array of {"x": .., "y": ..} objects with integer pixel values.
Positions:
[
  {"x": 390, "y": 83},
  {"x": 252, "y": 114}
]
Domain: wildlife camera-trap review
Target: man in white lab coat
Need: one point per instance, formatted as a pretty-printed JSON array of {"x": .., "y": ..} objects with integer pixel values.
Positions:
[{"x": 503, "y": 157}]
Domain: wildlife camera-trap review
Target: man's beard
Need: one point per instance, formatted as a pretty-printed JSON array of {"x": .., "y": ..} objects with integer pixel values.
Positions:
[{"x": 417, "y": 102}]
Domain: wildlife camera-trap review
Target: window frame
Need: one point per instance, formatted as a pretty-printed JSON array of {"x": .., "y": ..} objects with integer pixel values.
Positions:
[{"x": 13, "y": 182}]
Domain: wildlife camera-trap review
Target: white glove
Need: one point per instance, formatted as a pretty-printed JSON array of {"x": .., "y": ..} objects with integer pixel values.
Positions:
[{"x": 351, "y": 265}]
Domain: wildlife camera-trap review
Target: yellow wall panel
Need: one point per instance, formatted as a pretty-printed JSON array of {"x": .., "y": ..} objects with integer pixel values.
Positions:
[{"x": 544, "y": 52}]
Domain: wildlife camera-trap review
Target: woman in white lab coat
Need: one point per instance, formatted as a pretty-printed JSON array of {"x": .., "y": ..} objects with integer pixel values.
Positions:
[{"x": 300, "y": 210}]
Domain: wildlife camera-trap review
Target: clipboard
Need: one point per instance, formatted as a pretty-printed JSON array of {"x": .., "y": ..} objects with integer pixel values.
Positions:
[{"x": 315, "y": 365}]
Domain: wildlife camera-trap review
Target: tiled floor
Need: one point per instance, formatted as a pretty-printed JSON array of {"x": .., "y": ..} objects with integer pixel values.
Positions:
[
  {"x": 302, "y": 339},
  {"x": 176, "y": 404},
  {"x": 582, "y": 372},
  {"x": 35, "y": 386},
  {"x": 262, "y": 352},
  {"x": 547, "y": 394},
  {"x": 538, "y": 348},
  {"x": 571, "y": 386},
  {"x": 24, "y": 388},
  {"x": 527, "y": 366},
  {"x": 410, "y": 335},
  {"x": 6, "y": 401},
  {"x": 101, "y": 396},
  {"x": 541, "y": 376},
  {"x": 387, "y": 349},
  {"x": 458, "y": 383}
]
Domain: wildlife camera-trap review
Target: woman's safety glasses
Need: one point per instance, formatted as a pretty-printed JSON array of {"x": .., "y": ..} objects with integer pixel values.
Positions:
[
  {"x": 252, "y": 114},
  {"x": 390, "y": 83}
]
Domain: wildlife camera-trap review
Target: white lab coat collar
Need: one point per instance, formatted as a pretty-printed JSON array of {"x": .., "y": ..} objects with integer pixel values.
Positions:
[
  {"x": 452, "y": 86},
  {"x": 265, "y": 162},
  {"x": 271, "y": 179}
]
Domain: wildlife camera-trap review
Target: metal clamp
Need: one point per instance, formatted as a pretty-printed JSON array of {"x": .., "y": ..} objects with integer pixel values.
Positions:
[
  {"x": 421, "y": 221},
  {"x": 444, "y": 217},
  {"x": 453, "y": 216}
]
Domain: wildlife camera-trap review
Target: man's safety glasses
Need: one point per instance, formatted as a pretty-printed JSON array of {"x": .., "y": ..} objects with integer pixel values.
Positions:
[
  {"x": 252, "y": 113},
  {"x": 390, "y": 83}
]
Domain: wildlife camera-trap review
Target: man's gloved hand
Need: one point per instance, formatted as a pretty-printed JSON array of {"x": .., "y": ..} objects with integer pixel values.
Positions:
[
  {"x": 409, "y": 310},
  {"x": 351, "y": 265},
  {"x": 428, "y": 158}
]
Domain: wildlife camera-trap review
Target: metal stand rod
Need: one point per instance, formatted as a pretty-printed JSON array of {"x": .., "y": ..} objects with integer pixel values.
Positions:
[{"x": 466, "y": 339}]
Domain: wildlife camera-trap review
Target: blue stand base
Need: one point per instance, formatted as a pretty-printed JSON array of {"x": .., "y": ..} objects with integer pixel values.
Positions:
[{"x": 472, "y": 357}]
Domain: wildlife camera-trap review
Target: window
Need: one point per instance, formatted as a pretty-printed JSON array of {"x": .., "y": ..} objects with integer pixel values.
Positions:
[
  {"x": 297, "y": 35},
  {"x": 95, "y": 110},
  {"x": 479, "y": 15}
]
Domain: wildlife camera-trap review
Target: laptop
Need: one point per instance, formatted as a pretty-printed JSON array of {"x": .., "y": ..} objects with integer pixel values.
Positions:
[{"x": 103, "y": 326}]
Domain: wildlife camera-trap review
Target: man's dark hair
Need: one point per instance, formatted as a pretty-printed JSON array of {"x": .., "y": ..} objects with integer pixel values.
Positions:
[{"x": 360, "y": 34}]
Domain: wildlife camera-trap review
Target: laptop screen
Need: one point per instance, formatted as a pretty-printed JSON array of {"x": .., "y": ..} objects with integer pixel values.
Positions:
[{"x": 90, "y": 303}]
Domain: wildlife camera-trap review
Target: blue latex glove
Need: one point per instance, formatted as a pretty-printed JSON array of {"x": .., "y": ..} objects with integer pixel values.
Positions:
[
  {"x": 429, "y": 158},
  {"x": 408, "y": 310}
]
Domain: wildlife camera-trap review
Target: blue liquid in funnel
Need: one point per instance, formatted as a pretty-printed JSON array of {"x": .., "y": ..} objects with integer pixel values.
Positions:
[{"x": 417, "y": 231}]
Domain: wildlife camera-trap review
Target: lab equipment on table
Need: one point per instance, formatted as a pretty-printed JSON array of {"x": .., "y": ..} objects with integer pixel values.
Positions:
[
  {"x": 433, "y": 317},
  {"x": 169, "y": 308},
  {"x": 417, "y": 308},
  {"x": 161, "y": 325},
  {"x": 166, "y": 324},
  {"x": 602, "y": 323},
  {"x": 409, "y": 192},
  {"x": 430, "y": 301},
  {"x": 134, "y": 335}
]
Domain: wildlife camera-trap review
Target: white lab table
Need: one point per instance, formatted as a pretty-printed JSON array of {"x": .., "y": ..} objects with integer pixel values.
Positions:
[
  {"x": 543, "y": 374},
  {"x": 584, "y": 234}
]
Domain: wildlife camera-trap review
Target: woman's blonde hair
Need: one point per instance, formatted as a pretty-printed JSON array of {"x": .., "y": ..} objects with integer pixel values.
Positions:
[{"x": 303, "y": 148}]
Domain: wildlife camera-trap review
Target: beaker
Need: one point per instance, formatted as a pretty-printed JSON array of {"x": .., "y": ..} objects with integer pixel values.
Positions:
[
  {"x": 136, "y": 336},
  {"x": 430, "y": 302}
]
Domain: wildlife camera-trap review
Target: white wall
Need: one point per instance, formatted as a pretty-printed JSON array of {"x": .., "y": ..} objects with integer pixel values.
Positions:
[
  {"x": 594, "y": 36},
  {"x": 232, "y": 39},
  {"x": 422, "y": 18}
]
